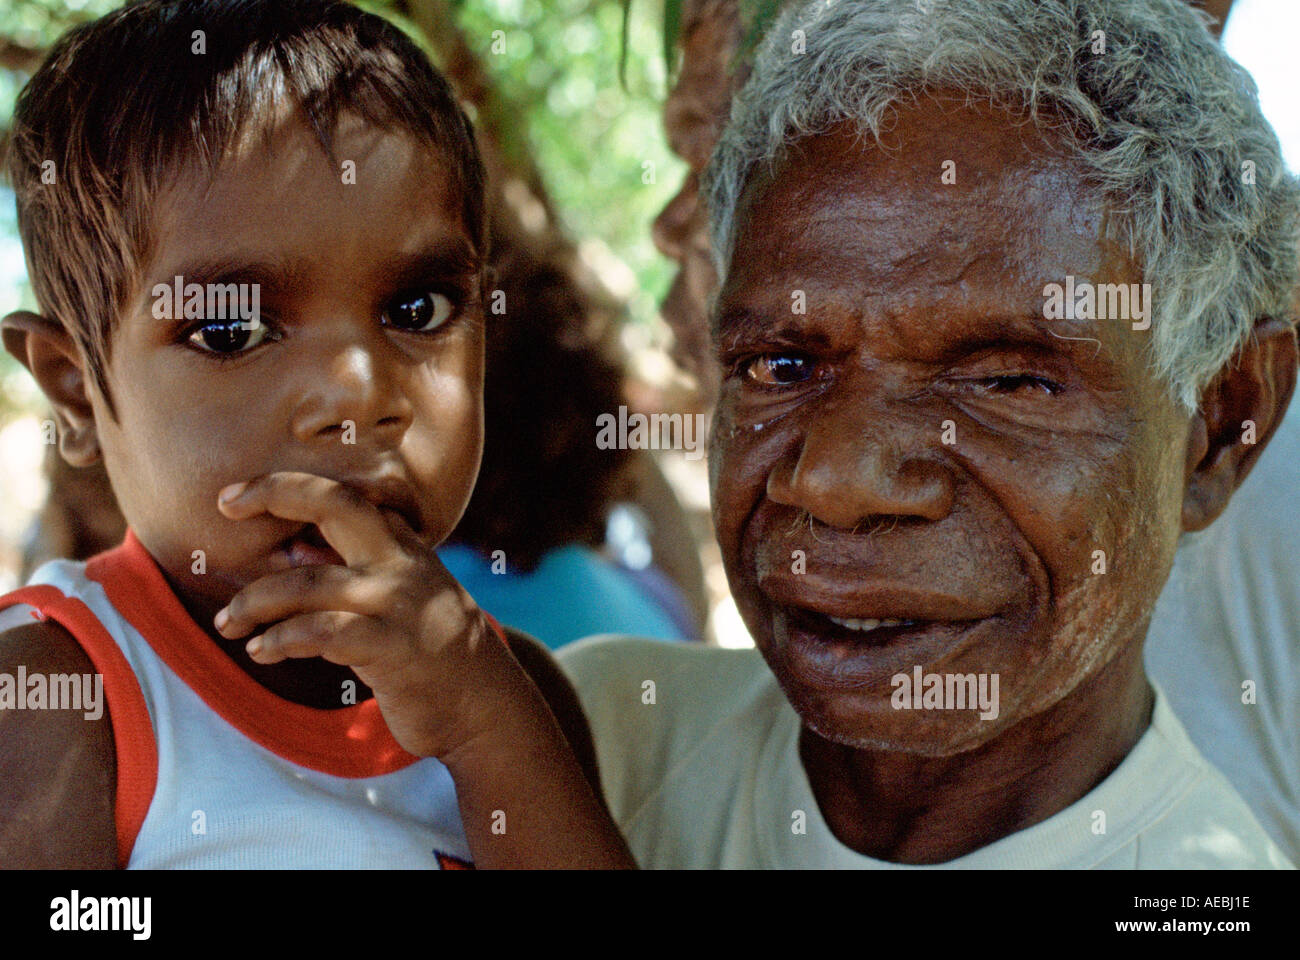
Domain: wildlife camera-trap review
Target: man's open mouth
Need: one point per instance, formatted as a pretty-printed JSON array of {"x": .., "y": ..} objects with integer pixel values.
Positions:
[
  {"x": 858, "y": 630},
  {"x": 841, "y": 652}
]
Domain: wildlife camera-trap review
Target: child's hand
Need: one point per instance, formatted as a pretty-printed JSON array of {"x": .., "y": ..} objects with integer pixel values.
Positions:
[
  {"x": 442, "y": 677},
  {"x": 447, "y": 685}
]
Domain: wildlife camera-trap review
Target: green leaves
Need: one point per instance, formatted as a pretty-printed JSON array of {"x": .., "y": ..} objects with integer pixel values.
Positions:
[
  {"x": 672, "y": 29},
  {"x": 757, "y": 16},
  {"x": 672, "y": 25}
]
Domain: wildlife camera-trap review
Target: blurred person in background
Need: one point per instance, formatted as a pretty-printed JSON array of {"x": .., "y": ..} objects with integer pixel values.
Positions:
[
  {"x": 577, "y": 526},
  {"x": 1224, "y": 644}
]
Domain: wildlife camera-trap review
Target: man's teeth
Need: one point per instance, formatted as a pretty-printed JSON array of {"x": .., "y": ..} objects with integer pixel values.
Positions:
[{"x": 855, "y": 624}]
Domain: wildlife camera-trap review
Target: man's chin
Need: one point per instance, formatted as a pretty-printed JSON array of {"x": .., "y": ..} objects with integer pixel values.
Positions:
[
  {"x": 917, "y": 712},
  {"x": 874, "y": 723}
]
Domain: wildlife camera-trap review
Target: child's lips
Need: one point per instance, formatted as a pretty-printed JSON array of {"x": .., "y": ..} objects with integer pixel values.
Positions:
[{"x": 308, "y": 547}]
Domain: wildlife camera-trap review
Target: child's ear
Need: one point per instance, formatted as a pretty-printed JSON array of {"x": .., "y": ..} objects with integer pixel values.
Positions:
[
  {"x": 1239, "y": 411},
  {"x": 45, "y": 349}
]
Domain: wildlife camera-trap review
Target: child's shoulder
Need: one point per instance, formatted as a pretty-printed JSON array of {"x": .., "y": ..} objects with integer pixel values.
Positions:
[{"x": 57, "y": 768}]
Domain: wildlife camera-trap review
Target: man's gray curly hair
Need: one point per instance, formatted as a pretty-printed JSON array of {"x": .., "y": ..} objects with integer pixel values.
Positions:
[{"x": 1167, "y": 125}]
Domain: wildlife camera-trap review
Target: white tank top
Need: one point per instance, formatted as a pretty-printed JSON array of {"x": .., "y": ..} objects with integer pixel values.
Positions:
[{"x": 215, "y": 771}]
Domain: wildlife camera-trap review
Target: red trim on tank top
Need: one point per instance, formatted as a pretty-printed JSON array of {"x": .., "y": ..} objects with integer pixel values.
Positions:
[
  {"x": 133, "y": 736},
  {"x": 352, "y": 742}
]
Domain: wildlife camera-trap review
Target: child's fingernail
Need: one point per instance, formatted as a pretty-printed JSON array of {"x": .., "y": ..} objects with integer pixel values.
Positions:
[
  {"x": 231, "y": 492},
  {"x": 254, "y": 646},
  {"x": 222, "y": 618}
]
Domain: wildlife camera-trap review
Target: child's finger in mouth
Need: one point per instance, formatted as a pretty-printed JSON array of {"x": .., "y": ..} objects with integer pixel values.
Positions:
[{"x": 351, "y": 526}]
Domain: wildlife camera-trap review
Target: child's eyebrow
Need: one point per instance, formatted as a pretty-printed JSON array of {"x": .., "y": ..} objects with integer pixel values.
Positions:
[
  {"x": 449, "y": 258},
  {"x": 273, "y": 274},
  {"x": 278, "y": 275}
]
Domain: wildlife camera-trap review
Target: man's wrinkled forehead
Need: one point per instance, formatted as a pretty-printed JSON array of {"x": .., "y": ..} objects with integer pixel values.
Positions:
[{"x": 943, "y": 217}]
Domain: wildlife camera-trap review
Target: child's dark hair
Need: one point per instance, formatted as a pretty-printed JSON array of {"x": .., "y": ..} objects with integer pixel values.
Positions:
[{"x": 122, "y": 104}]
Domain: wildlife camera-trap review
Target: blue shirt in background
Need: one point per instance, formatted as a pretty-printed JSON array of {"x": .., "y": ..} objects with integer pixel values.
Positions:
[{"x": 574, "y": 592}]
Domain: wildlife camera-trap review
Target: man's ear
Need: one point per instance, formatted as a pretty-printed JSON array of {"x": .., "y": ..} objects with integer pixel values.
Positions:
[
  {"x": 45, "y": 349},
  {"x": 1239, "y": 412}
]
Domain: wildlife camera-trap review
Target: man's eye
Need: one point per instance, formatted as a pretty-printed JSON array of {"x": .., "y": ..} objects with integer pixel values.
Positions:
[
  {"x": 1020, "y": 383},
  {"x": 229, "y": 336},
  {"x": 423, "y": 311},
  {"x": 779, "y": 369}
]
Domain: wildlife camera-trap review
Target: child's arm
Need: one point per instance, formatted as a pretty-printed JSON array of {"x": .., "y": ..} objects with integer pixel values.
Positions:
[
  {"x": 561, "y": 698},
  {"x": 57, "y": 769},
  {"x": 447, "y": 686},
  {"x": 503, "y": 800},
  {"x": 563, "y": 702}
]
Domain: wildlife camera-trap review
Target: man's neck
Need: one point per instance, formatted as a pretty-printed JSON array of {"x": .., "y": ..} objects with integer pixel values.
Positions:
[{"x": 912, "y": 809}]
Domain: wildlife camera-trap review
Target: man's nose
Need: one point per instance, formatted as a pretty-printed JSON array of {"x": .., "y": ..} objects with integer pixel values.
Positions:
[
  {"x": 855, "y": 466},
  {"x": 353, "y": 382},
  {"x": 672, "y": 228}
]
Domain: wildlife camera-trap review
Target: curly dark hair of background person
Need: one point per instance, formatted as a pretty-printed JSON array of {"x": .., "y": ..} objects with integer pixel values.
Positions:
[{"x": 543, "y": 483}]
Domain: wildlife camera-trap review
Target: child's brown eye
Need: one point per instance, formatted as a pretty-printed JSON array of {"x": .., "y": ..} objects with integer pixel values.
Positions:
[
  {"x": 423, "y": 311},
  {"x": 230, "y": 336}
]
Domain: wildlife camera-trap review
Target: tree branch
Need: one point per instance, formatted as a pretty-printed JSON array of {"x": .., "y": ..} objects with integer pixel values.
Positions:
[{"x": 17, "y": 56}]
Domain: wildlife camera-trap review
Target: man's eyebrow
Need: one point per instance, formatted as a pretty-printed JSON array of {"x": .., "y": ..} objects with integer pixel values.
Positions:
[
  {"x": 994, "y": 332},
  {"x": 977, "y": 332},
  {"x": 729, "y": 330},
  {"x": 733, "y": 319},
  {"x": 739, "y": 315}
]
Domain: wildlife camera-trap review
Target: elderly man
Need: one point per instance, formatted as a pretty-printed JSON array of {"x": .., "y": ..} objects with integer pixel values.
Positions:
[
  {"x": 951, "y": 462},
  {"x": 1225, "y": 639}
]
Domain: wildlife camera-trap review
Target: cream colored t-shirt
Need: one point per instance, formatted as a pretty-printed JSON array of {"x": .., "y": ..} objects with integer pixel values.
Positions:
[
  {"x": 708, "y": 776},
  {"x": 1224, "y": 641}
]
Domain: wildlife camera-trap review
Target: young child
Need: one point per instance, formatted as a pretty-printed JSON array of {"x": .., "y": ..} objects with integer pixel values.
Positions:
[{"x": 255, "y": 230}]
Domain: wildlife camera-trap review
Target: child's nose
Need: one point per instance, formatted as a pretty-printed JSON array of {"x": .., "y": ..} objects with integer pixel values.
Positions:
[{"x": 351, "y": 397}]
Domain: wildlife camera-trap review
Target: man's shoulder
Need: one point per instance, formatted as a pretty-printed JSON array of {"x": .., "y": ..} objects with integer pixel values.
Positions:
[
  {"x": 615, "y": 674},
  {"x": 1206, "y": 824},
  {"x": 665, "y": 714},
  {"x": 1209, "y": 828},
  {"x": 614, "y": 647}
]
